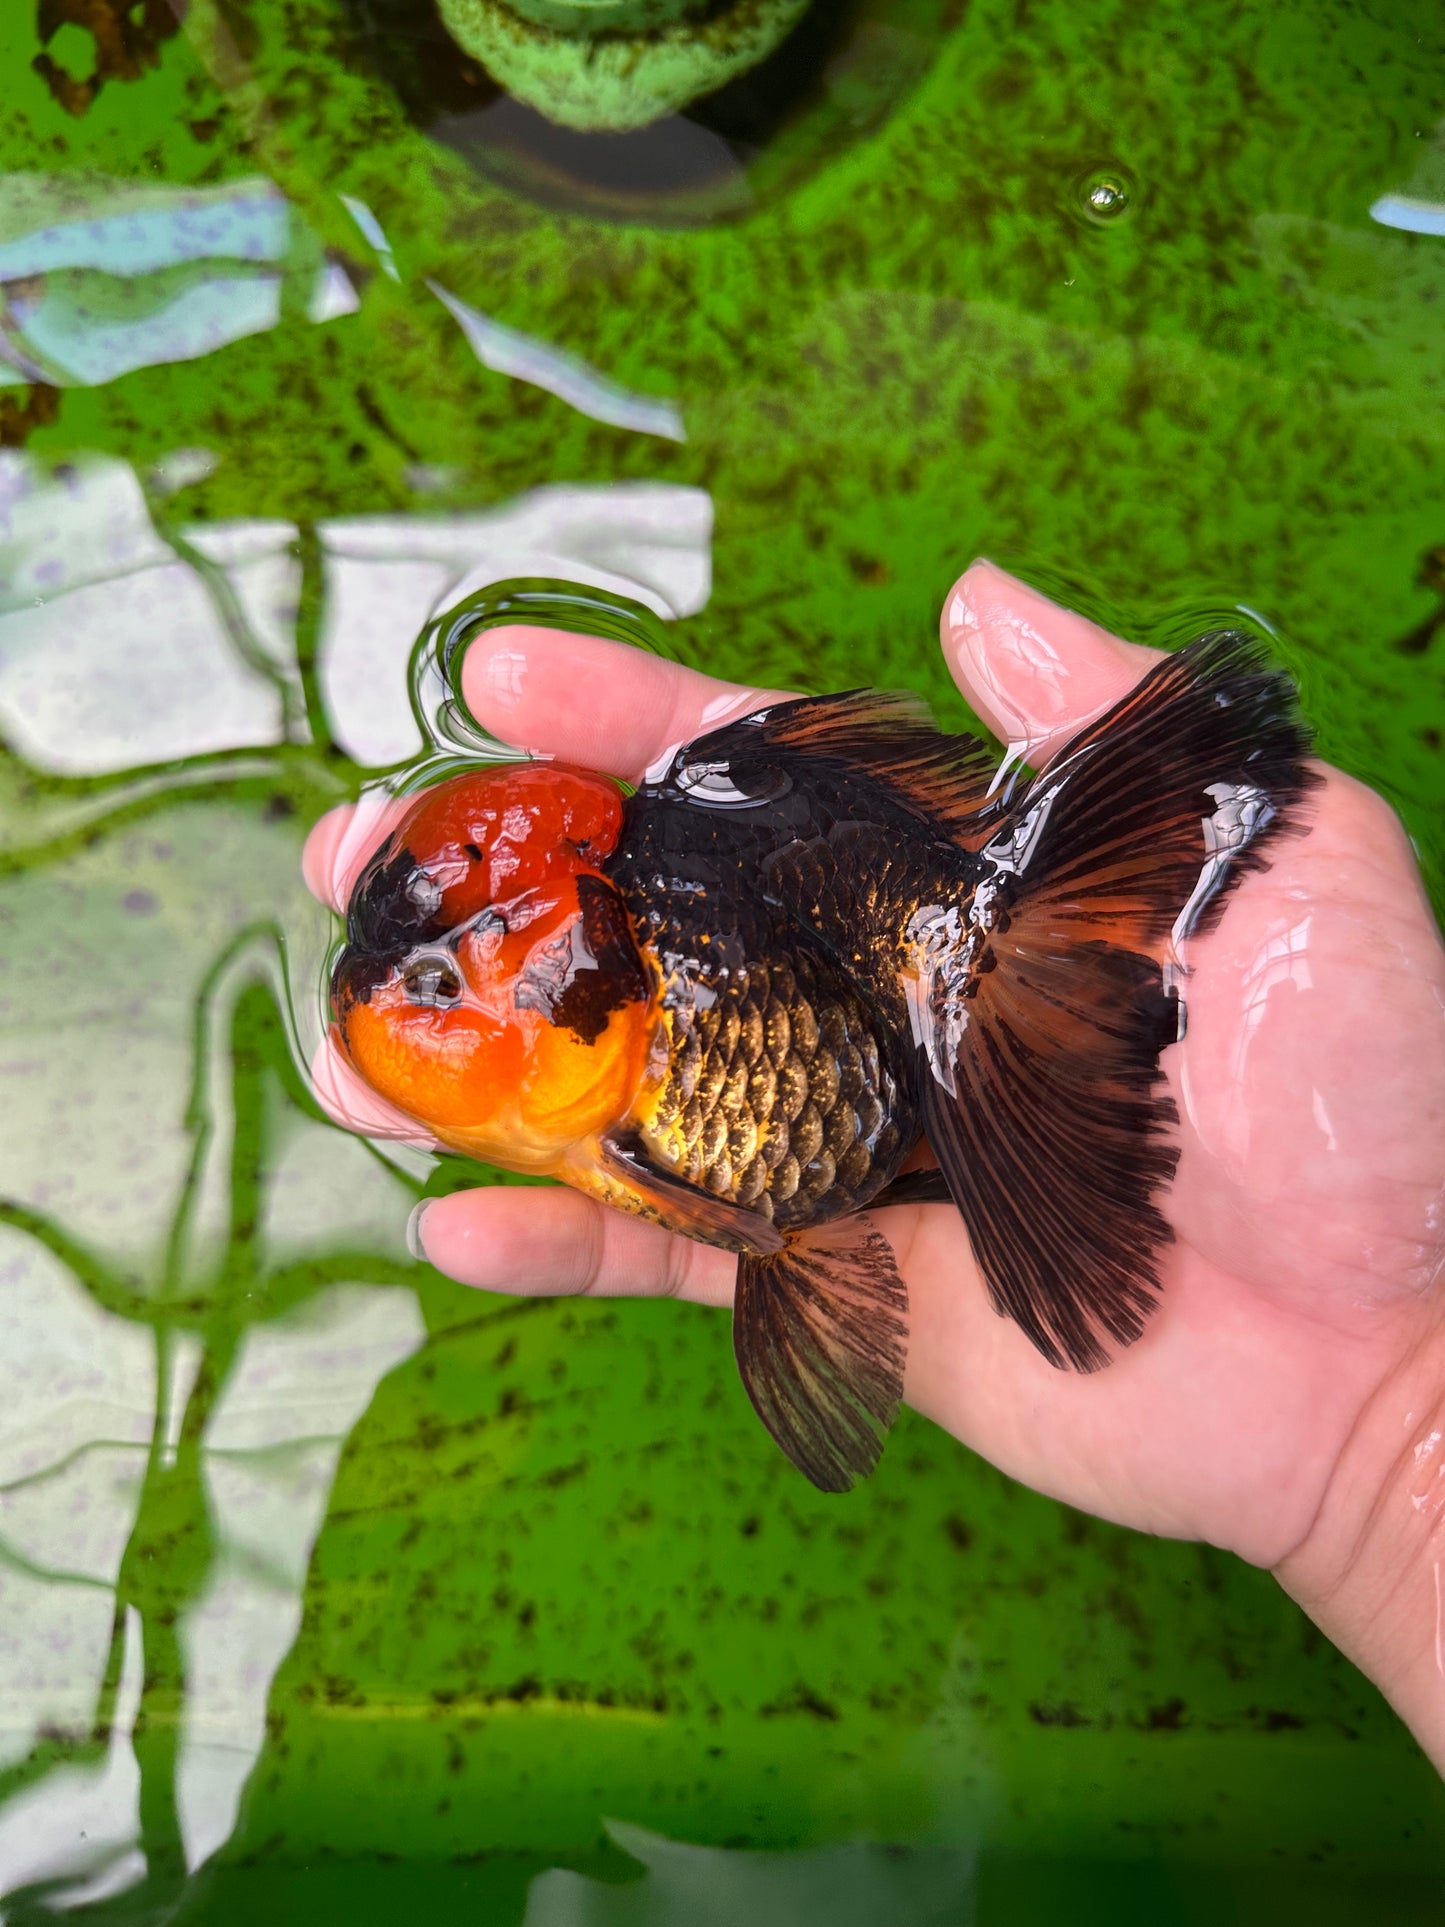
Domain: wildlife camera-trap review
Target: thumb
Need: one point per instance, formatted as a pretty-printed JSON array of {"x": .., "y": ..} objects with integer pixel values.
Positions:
[{"x": 1035, "y": 673}]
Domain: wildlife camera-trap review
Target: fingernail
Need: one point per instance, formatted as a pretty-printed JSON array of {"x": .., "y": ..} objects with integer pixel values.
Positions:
[
  {"x": 414, "y": 1242},
  {"x": 494, "y": 670},
  {"x": 962, "y": 614}
]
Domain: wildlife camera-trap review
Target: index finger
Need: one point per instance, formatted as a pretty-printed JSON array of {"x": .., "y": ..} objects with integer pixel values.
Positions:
[
  {"x": 581, "y": 699},
  {"x": 588, "y": 700},
  {"x": 1035, "y": 672}
]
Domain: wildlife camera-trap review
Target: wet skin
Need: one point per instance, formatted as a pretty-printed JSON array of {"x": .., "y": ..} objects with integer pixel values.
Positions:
[{"x": 1287, "y": 1400}]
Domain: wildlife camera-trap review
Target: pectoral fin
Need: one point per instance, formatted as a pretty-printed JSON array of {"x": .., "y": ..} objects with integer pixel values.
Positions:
[
  {"x": 821, "y": 1332},
  {"x": 682, "y": 1206}
]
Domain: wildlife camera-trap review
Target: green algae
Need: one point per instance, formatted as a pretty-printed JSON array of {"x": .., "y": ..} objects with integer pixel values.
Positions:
[
  {"x": 612, "y": 67},
  {"x": 561, "y": 1578},
  {"x": 1229, "y": 396}
]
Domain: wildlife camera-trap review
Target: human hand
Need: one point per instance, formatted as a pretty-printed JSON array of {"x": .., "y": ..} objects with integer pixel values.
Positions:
[{"x": 1288, "y": 1397}]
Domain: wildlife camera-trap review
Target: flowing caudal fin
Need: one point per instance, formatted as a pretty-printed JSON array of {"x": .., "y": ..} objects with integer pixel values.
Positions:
[
  {"x": 821, "y": 1334},
  {"x": 1042, "y": 1015}
]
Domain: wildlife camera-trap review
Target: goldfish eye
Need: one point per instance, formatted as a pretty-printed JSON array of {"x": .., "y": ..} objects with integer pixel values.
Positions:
[{"x": 433, "y": 982}]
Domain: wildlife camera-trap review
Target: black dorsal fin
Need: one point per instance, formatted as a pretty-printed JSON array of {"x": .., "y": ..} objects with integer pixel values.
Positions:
[{"x": 944, "y": 779}]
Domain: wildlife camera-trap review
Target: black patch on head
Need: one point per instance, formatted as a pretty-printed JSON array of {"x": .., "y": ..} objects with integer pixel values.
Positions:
[
  {"x": 617, "y": 976},
  {"x": 395, "y": 906},
  {"x": 395, "y": 909},
  {"x": 357, "y": 974},
  {"x": 578, "y": 979}
]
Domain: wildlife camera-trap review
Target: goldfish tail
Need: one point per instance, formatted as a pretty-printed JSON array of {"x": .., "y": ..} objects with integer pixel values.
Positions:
[
  {"x": 1042, "y": 1020},
  {"x": 820, "y": 1331}
]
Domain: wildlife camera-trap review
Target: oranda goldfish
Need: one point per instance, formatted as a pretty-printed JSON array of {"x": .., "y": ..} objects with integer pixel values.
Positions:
[{"x": 737, "y": 1000}]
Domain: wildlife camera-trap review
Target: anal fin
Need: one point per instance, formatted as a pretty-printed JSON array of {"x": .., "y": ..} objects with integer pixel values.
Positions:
[
  {"x": 821, "y": 1333},
  {"x": 913, "y": 1187}
]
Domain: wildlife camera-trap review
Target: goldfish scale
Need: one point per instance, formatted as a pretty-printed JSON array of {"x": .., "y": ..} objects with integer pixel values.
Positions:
[{"x": 776, "y": 1096}]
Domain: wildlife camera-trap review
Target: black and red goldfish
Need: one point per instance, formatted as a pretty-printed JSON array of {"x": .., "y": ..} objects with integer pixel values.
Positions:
[{"x": 736, "y": 1000}]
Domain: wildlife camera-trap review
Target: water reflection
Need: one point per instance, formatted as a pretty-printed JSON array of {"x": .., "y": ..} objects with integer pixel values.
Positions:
[
  {"x": 387, "y": 574},
  {"x": 678, "y": 134},
  {"x": 74, "y": 1834},
  {"x": 98, "y": 281},
  {"x": 510, "y": 352},
  {"x": 618, "y": 66},
  {"x": 1417, "y": 206},
  {"x": 125, "y": 639},
  {"x": 858, "y": 1885},
  {"x": 270, "y": 1453},
  {"x": 198, "y": 1311},
  {"x": 1411, "y": 216},
  {"x": 101, "y": 279},
  {"x": 177, "y": 1427},
  {"x": 114, "y": 649}
]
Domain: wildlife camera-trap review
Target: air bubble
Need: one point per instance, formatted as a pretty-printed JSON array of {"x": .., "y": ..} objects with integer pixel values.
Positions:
[{"x": 1106, "y": 194}]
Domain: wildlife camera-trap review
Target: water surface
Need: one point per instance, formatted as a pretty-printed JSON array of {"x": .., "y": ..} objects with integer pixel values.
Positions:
[{"x": 328, "y": 1585}]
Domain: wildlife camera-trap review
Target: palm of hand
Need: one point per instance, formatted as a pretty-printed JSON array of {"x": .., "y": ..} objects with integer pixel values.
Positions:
[
  {"x": 1309, "y": 1204},
  {"x": 1313, "y": 1093},
  {"x": 1307, "y": 1211}
]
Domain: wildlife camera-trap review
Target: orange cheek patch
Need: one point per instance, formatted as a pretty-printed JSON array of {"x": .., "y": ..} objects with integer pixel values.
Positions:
[
  {"x": 563, "y": 1085},
  {"x": 442, "y": 1067},
  {"x": 504, "y": 1074},
  {"x": 572, "y": 1089}
]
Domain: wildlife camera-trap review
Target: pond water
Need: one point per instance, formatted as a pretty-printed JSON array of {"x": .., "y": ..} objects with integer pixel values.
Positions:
[{"x": 330, "y": 1588}]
